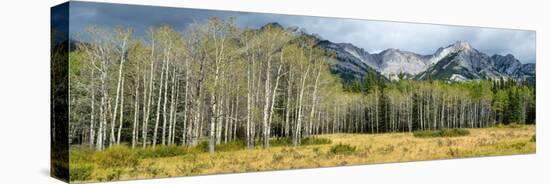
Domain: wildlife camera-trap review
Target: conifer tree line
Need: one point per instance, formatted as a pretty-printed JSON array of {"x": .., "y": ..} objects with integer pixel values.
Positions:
[{"x": 218, "y": 83}]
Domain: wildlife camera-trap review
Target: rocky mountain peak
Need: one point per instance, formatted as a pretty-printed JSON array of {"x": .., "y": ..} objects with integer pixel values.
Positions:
[
  {"x": 456, "y": 62},
  {"x": 462, "y": 45}
]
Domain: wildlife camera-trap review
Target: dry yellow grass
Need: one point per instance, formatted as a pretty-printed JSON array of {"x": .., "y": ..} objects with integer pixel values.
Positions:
[{"x": 382, "y": 148}]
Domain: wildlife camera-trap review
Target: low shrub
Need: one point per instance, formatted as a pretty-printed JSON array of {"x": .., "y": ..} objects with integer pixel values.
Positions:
[
  {"x": 315, "y": 141},
  {"x": 453, "y": 152},
  {"x": 277, "y": 158},
  {"x": 387, "y": 149},
  {"x": 342, "y": 149},
  {"x": 81, "y": 155},
  {"x": 519, "y": 145},
  {"x": 230, "y": 146},
  {"x": 287, "y": 141},
  {"x": 117, "y": 156},
  {"x": 534, "y": 138},
  {"x": 455, "y": 132},
  {"x": 202, "y": 146},
  {"x": 80, "y": 172},
  {"x": 283, "y": 141},
  {"x": 161, "y": 151},
  {"x": 511, "y": 125}
]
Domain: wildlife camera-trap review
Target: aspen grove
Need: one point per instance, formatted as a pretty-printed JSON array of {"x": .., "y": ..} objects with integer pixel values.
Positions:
[{"x": 218, "y": 83}]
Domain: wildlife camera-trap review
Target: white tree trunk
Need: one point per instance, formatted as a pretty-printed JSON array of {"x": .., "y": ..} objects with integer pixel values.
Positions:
[
  {"x": 155, "y": 130},
  {"x": 121, "y": 113},
  {"x": 297, "y": 132}
]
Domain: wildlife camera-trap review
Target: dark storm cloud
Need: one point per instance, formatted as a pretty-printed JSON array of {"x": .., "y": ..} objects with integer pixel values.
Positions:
[{"x": 373, "y": 36}]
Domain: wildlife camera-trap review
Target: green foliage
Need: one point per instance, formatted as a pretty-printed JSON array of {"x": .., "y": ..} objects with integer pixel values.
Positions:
[
  {"x": 161, "y": 151},
  {"x": 230, "y": 146},
  {"x": 512, "y": 125},
  {"x": 117, "y": 156},
  {"x": 455, "y": 132},
  {"x": 534, "y": 138},
  {"x": 342, "y": 149},
  {"x": 81, "y": 172},
  {"x": 315, "y": 141},
  {"x": 81, "y": 155},
  {"x": 284, "y": 141},
  {"x": 287, "y": 141},
  {"x": 514, "y": 102}
]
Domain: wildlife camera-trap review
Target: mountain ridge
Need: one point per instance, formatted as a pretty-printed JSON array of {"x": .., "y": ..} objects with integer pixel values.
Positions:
[{"x": 393, "y": 63}]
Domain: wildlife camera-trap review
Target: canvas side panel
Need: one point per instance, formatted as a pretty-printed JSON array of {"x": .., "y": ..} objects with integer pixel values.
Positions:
[{"x": 59, "y": 100}]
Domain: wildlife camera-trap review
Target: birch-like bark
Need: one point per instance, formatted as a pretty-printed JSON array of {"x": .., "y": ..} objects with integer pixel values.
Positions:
[
  {"x": 273, "y": 95},
  {"x": 314, "y": 100},
  {"x": 297, "y": 132},
  {"x": 145, "y": 129},
  {"x": 92, "y": 113},
  {"x": 155, "y": 130},
  {"x": 167, "y": 72},
  {"x": 267, "y": 92},
  {"x": 185, "y": 105},
  {"x": 121, "y": 113},
  {"x": 135, "y": 127},
  {"x": 113, "y": 120}
]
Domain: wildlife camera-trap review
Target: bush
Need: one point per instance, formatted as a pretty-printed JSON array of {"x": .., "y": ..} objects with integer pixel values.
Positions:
[
  {"x": 117, "y": 156},
  {"x": 161, "y": 151},
  {"x": 202, "y": 146},
  {"x": 277, "y": 158},
  {"x": 80, "y": 172},
  {"x": 230, "y": 146},
  {"x": 81, "y": 163},
  {"x": 534, "y": 138},
  {"x": 455, "y": 132},
  {"x": 511, "y": 125},
  {"x": 287, "y": 141},
  {"x": 283, "y": 141},
  {"x": 315, "y": 141},
  {"x": 81, "y": 155},
  {"x": 343, "y": 149}
]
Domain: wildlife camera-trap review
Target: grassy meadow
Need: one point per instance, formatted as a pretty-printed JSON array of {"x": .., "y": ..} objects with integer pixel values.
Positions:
[{"x": 121, "y": 162}]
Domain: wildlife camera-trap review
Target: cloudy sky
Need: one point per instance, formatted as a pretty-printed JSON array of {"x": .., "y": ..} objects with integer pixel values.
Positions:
[{"x": 373, "y": 36}]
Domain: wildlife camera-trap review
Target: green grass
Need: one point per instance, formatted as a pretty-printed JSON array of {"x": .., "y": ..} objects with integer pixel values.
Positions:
[{"x": 455, "y": 132}]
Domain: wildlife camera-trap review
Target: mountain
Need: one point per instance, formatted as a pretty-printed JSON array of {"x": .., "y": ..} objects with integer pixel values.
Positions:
[
  {"x": 389, "y": 63},
  {"x": 352, "y": 62},
  {"x": 462, "y": 62},
  {"x": 393, "y": 62},
  {"x": 506, "y": 64},
  {"x": 456, "y": 62}
]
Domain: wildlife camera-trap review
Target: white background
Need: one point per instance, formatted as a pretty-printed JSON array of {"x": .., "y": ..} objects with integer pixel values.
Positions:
[{"x": 24, "y": 90}]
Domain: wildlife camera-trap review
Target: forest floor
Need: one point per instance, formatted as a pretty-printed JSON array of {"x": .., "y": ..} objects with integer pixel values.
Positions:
[{"x": 366, "y": 149}]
